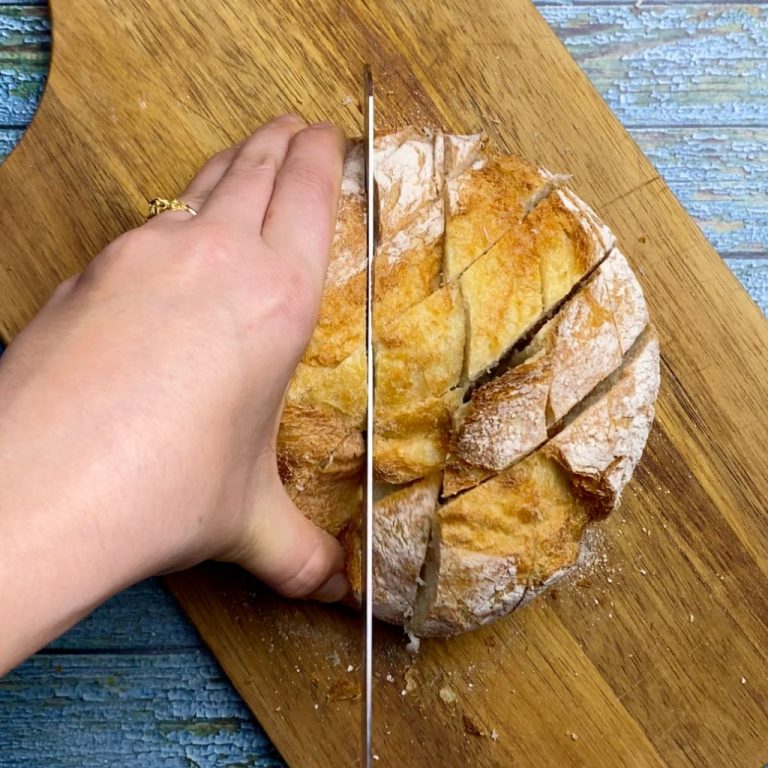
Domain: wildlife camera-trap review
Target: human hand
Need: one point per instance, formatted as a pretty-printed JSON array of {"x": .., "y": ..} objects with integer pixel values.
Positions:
[{"x": 140, "y": 408}]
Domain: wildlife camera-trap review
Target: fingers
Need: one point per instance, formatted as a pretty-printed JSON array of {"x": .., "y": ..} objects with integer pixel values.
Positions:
[
  {"x": 201, "y": 186},
  {"x": 250, "y": 165},
  {"x": 199, "y": 189},
  {"x": 240, "y": 199},
  {"x": 285, "y": 178},
  {"x": 300, "y": 221},
  {"x": 291, "y": 554}
]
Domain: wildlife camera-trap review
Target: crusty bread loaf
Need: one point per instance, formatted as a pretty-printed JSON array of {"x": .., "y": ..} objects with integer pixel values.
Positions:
[
  {"x": 512, "y": 414},
  {"x": 515, "y": 370}
]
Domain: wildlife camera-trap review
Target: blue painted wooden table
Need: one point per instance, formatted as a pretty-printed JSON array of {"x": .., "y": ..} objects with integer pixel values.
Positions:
[{"x": 132, "y": 685}]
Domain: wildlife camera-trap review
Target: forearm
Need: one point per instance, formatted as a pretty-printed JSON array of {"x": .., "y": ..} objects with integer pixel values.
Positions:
[
  {"x": 50, "y": 579},
  {"x": 58, "y": 561},
  {"x": 70, "y": 533}
]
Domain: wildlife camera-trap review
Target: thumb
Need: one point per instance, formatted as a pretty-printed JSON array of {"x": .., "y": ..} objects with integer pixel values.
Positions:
[{"x": 290, "y": 554}]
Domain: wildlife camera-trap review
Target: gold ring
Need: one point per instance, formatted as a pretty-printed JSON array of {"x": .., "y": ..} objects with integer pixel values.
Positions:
[{"x": 160, "y": 205}]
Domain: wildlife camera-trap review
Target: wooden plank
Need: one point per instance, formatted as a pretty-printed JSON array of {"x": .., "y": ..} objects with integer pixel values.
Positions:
[
  {"x": 610, "y": 696},
  {"x": 727, "y": 200},
  {"x": 641, "y": 210},
  {"x": 130, "y": 710},
  {"x": 707, "y": 61},
  {"x": 141, "y": 618},
  {"x": 753, "y": 275},
  {"x": 678, "y": 64}
]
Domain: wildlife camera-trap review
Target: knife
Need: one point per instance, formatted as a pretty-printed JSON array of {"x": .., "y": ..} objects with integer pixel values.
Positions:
[{"x": 367, "y": 528}]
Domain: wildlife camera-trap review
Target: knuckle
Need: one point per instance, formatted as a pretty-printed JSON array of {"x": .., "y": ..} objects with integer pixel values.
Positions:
[
  {"x": 123, "y": 251},
  {"x": 215, "y": 165},
  {"x": 139, "y": 239},
  {"x": 290, "y": 119},
  {"x": 209, "y": 242},
  {"x": 322, "y": 139},
  {"x": 295, "y": 299},
  {"x": 64, "y": 287},
  {"x": 222, "y": 157},
  {"x": 310, "y": 575},
  {"x": 255, "y": 162}
]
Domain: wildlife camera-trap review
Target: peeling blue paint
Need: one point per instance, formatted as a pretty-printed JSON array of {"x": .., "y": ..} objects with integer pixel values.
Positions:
[{"x": 131, "y": 686}]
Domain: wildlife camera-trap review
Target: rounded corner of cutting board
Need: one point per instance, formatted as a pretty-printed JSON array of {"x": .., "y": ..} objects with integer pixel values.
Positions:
[{"x": 13, "y": 164}]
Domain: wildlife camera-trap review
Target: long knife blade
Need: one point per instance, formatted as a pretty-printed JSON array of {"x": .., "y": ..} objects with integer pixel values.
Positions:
[{"x": 367, "y": 529}]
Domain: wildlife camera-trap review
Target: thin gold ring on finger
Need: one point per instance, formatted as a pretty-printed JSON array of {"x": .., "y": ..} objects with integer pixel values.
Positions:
[{"x": 161, "y": 205}]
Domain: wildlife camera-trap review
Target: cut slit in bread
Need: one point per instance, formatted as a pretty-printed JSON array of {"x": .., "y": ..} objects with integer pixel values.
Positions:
[
  {"x": 514, "y": 412},
  {"x": 525, "y": 275},
  {"x": 483, "y": 203},
  {"x": 402, "y": 521},
  {"x": 522, "y": 528},
  {"x": 478, "y": 253}
]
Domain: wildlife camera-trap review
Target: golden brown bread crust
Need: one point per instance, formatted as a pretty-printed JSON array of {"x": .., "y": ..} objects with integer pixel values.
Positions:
[
  {"x": 320, "y": 459},
  {"x": 503, "y": 298},
  {"x": 513, "y": 532},
  {"x": 496, "y": 540},
  {"x": 500, "y": 304},
  {"x": 400, "y": 284},
  {"x": 512, "y": 414},
  {"x": 340, "y": 389},
  {"x": 491, "y": 196},
  {"x": 567, "y": 242},
  {"x": 340, "y": 327},
  {"x": 420, "y": 354},
  {"x": 413, "y": 443}
]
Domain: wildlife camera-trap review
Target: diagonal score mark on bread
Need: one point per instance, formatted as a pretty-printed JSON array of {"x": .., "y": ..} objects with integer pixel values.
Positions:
[
  {"x": 495, "y": 287},
  {"x": 444, "y": 203},
  {"x": 512, "y": 535},
  {"x": 547, "y": 244},
  {"x": 525, "y": 276},
  {"x": 510, "y": 415}
]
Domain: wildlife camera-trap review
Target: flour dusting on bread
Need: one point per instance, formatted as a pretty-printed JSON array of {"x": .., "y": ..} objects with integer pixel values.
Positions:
[{"x": 516, "y": 376}]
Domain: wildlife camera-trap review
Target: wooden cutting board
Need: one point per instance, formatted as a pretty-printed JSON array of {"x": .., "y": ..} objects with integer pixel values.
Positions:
[{"x": 656, "y": 655}]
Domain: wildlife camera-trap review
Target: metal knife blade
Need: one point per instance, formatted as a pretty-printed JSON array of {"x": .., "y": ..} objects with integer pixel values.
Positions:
[{"x": 367, "y": 528}]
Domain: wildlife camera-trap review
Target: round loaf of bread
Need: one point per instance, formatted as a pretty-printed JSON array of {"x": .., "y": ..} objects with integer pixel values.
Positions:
[{"x": 516, "y": 375}]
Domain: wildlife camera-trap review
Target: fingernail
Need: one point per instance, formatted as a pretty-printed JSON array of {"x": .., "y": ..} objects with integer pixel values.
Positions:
[{"x": 334, "y": 589}]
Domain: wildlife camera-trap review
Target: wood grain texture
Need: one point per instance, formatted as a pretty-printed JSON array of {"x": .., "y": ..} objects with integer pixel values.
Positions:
[
  {"x": 658, "y": 64},
  {"x": 610, "y": 614},
  {"x": 628, "y": 52},
  {"x": 695, "y": 477}
]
